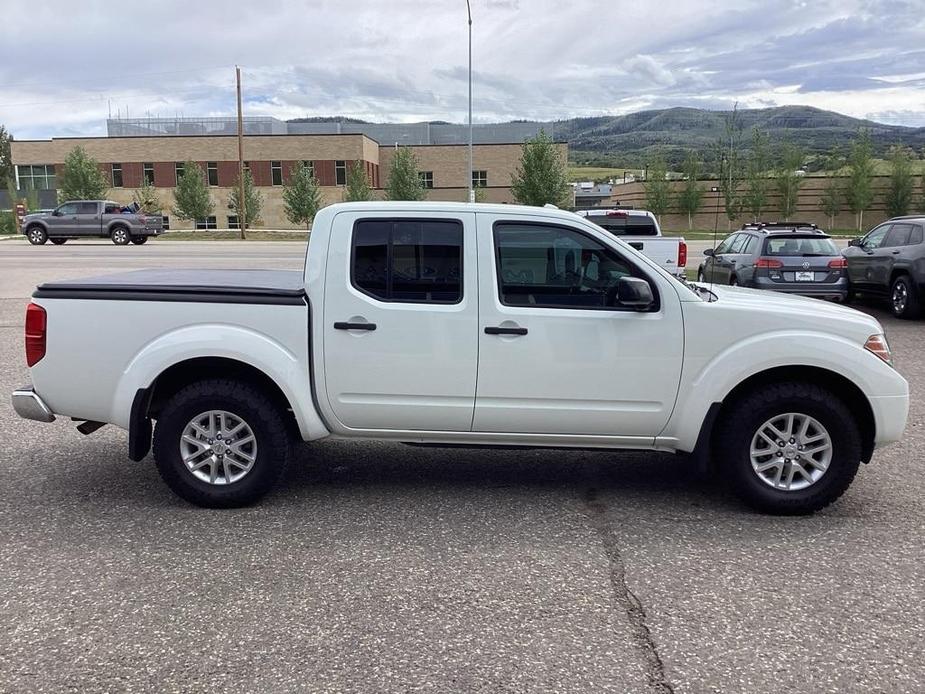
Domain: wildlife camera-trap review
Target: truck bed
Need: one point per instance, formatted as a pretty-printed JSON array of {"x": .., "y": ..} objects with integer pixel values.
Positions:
[{"x": 209, "y": 286}]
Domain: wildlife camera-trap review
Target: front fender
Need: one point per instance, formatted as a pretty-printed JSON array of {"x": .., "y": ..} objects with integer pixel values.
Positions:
[
  {"x": 710, "y": 380},
  {"x": 288, "y": 370}
]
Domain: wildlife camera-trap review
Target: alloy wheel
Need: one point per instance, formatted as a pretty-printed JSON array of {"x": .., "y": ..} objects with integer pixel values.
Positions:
[
  {"x": 791, "y": 451},
  {"x": 900, "y": 298},
  {"x": 218, "y": 447}
]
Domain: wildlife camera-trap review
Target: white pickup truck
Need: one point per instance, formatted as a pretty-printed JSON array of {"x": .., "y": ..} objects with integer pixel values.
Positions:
[
  {"x": 463, "y": 324},
  {"x": 640, "y": 229}
]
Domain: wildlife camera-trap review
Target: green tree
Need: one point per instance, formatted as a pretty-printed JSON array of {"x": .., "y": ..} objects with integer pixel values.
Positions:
[
  {"x": 729, "y": 157},
  {"x": 690, "y": 198},
  {"x": 859, "y": 193},
  {"x": 657, "y": 187},
  {"x": 81, "y": 178},
  {"x": 192, "y": 199},
  {"x": 541, "y": 177},
  {"x": 147, "y": 198},
  {"x": 902, "y": 183},
  {"x": 832, "y": 198},
  {"x": 358, "y": 188},
  {"x": 6, "y": 158},
  {"x": 404, "y": 183},
  {"x": 301, "y": 196},
  {"x": 8, "y": 219},
  {"x": 787, "y": 180},
  {"x": 756, "y": 175},
  {"x": 253, "y": 201}
]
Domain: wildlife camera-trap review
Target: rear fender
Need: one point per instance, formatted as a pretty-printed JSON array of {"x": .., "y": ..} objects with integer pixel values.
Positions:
[{"x": 283, "y": 367}]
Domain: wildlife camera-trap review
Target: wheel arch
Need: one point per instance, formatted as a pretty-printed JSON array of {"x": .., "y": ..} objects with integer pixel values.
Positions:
[{"x": 835, "y": 382}]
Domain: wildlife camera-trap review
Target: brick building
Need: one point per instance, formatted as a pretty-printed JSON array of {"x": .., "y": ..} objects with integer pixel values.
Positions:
[{"x": 158, "y": 156}]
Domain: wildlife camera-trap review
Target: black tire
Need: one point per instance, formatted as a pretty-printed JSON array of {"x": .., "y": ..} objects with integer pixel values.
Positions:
[
  {"x": 120, "y": 235},
  {"x": 139, "y": 240},
  {"x": 904, "y": 299},
  {"x": 249, "y": 404},
  {"x": 851, "y": 296},
  {"x": 700, "y": 276},
  {"x": 37, "y": 235},
  {"x": 741, "y": 419},
  {"x": 733, "y": 281},
  {"x": 58, "y": 242}
]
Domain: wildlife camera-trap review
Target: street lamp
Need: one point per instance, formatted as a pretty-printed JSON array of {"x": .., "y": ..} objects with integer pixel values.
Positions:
[{"x": 471, "y": 189}]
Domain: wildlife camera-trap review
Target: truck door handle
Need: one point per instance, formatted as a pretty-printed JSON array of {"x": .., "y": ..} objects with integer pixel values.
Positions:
[
  {"x": 493, "y": 330},
  {"x": 896, "y": 252},
  {"x": 341, "y": 325}
]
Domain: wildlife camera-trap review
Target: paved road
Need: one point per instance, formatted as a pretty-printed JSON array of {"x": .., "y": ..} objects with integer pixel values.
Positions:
[{"x": 378, "y": 567}]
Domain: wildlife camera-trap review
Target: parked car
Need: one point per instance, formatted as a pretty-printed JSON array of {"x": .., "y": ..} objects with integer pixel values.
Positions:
[
  {"x": 641, "y": 230},
  {"x": 889, "y": 262},
  {"x": 463, "y": 325},
  {"x": 91, "y": 218},
  {"x": 792, "y": 258}
]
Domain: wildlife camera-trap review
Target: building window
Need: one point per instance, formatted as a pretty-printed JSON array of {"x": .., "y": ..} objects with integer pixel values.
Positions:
[
  {"x": 36, "y": 176},
  {"x": 340, "y": 172},
  {"x": 178, "y": 171},
  {"x": 276, "y": 173},
  {"x": 207, "y": 223},
  {"x": 427, "y": 178},
  {"x": 117, "y": 175},
  {"x": 165, "y": 221},
  {"x": 233, "y": 221},
  {"x": 408, "y": 260},
  {"x": 310, "y": 165},
  {"x": 247, "y": 167},
  {"x": 212, "y": 170},
  {"x": 479, "y": 179},
  {"x": 148, "y": 173}
]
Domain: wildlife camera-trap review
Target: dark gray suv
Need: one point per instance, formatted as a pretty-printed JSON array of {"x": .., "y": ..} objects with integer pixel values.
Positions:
[
  {"x": 889, "y": 262},
  {"x": 786, "y": 257}
]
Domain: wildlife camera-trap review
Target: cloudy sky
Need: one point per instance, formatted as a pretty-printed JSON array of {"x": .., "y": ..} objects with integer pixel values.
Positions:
[{"x": 64, "y": 66}]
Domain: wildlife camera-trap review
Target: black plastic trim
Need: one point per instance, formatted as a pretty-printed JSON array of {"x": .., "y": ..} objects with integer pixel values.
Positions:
[
  {"x": 139, "y": 425},
  {"x": 342, "y": 325},
  {"x": 211, "y": 295},
  {"x": 494, "y": 330}
]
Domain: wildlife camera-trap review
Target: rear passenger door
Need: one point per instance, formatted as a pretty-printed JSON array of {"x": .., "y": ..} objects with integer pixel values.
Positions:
[
  {"x": 88, "y": 218},
  {"x": 400, "y": 321}
]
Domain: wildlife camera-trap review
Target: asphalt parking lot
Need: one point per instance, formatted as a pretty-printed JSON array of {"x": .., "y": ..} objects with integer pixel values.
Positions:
[{"x": 384, "y": 568}]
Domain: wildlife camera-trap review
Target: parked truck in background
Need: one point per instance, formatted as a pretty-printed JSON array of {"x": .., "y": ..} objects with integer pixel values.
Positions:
[
  {"x": 641, "y": 230},
  {"x": 78, "y": 219},
  {"x": 463, "y": 325}
]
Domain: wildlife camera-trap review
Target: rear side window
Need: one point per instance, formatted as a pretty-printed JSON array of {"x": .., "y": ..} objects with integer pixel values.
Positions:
[
  {"x": 408, "y": 260},
  {"x": 86, "y": 208},
  {"x": 626, "y": 225},
  {"x": 898, "y": 235},
  {"x": 738, "y": 246},
  {"x": 750, "y": 245},
  {"x": 800, "y": 246},
  {"x": 916, "y": 237}
]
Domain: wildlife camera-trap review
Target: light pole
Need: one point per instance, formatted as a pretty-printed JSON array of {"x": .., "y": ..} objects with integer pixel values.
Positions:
[{"x": 471, "y": 189}]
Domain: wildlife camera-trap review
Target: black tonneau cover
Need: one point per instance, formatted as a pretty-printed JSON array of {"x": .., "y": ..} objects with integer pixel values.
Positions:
[{"x": 208, "y": 286}]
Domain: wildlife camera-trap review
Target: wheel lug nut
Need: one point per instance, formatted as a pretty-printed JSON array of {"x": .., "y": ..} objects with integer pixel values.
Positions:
[
  {"x": 219, "y": 437},
  {"x": 210, "y": 442},
  {"x": 780, "y": 443},
  {"x": 791, "y": 440},
  {"x": 800, "y": 447},
  {"x": 779, "y": 454}
]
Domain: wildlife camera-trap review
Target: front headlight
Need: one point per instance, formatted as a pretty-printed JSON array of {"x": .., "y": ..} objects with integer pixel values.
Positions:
[{"x": 877, "y": 345}]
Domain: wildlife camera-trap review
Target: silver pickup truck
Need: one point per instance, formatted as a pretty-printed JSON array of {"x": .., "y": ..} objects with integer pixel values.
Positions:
[{"x": 92, "y": 218}]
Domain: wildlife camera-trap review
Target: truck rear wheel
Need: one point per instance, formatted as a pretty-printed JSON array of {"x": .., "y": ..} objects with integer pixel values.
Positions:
[
  {"x": 36, "y": 235},
  {"x": 789, "y": 448},
  {"x": 221, "y": 444},
  {"x": 59, "y": 242},
  {"x": 139, "y": 240},
  {"x": 120, "y": 235}
]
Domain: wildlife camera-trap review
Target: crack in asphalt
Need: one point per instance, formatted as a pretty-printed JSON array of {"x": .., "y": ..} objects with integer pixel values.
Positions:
[{"x": 632, "y": 606}]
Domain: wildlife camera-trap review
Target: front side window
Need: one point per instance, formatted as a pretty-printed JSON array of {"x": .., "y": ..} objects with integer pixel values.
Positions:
[
  {"x": 68, "y": 209},
  {"x": 212, "y": 171},
  {"x": 427, "y": 179},
  {"x": 340, "y": 172},
  {"x": 726, "y": 245},
  {"x": 875, "y": 238},
  {"x": 276, "y": 173},
  {"x": 117, "y": 175},
  {"x": 408, "y": 260},
  {"x": 479, "y": 179},
  {"x": 556, "y": 267},
  {"x": 148, "y": 173}
]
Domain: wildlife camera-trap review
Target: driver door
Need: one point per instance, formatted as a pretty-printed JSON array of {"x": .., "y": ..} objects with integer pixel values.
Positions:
[
  {"x": 64, "y": 222},
  {"x": 558, "y": 354},
  {"x": 862, "y": 259}
]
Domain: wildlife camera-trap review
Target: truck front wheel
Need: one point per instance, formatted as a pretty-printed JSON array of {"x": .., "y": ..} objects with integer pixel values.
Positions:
[
  {"x": 788, "y": 448},
  {"x": 220, "y": 443},
  {"x": 36, "y": 235}
]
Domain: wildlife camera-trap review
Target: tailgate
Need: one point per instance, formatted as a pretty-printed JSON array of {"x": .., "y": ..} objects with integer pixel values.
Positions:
[{"x": 659, "y": 249}]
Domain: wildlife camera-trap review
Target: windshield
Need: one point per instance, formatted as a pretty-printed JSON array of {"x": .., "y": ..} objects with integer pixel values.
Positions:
[{"x": 800, "y": 245}]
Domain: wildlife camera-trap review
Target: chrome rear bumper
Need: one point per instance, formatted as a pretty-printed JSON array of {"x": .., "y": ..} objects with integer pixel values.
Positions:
[{"x": 29, "y": 405}]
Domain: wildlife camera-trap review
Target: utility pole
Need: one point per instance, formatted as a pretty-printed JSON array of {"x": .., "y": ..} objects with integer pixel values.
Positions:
[
  {"x": 471, "y": 189},
  {"x": 242, "y": 203}
]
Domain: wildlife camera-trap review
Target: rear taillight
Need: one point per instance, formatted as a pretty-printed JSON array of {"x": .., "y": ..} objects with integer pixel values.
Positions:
[
  {"x": 142, "y": 219},
  {"x": 768, "y": 263},
  {"x": 36, "y": 330},
  {"x": 682, "y": 255},
  {"x": 617, "y": 213},
  {"x": 838, "y": 263}
]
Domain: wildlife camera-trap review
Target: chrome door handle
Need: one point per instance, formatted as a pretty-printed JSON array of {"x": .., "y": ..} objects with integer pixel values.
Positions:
[
  {"x": 342, "y": 325},
  {"x": 493, "y": 330}
]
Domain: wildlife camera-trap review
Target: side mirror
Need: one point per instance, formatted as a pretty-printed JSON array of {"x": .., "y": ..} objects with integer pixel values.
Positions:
[
  {"x": 854, "y": 242},
  {"x": 708, "y": 252},
  {"x": 635, "y": 293}
]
